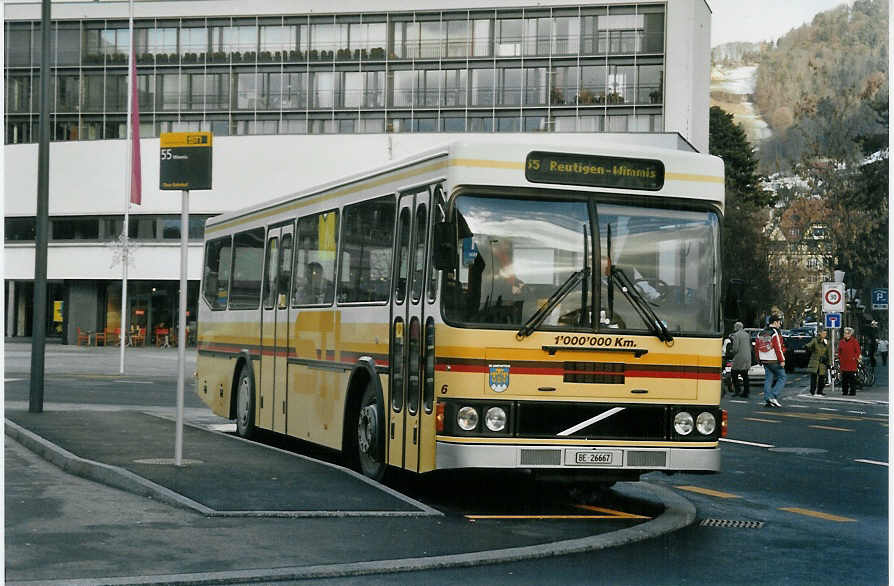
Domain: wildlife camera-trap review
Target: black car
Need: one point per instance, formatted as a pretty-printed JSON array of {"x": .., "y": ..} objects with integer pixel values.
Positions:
[{"x": 796, "y": 354}]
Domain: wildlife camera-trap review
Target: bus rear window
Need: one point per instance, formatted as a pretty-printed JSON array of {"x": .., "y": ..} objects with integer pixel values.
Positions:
[
  {"x": 216, "y": 279},
  {"x": 248, "y": 264}
]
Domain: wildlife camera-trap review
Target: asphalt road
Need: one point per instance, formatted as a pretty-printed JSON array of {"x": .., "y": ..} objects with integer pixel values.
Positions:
[{"x": 802, "y": 498}]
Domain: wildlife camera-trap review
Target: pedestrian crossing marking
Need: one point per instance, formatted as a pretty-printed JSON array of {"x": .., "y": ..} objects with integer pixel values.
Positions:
[
  {"x": 818, "y": 514},
  {"x": 830, "y": 428},
  {"x": 709, "y": 492}
]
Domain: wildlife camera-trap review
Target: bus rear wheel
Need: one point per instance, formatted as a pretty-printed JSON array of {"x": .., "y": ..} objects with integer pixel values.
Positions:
[
  {"x": 245, "y": 403},
  {"x": 370, "y": 439}
]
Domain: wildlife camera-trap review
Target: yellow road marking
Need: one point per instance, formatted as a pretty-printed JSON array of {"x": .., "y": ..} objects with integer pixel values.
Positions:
[
  {"x": 538, "y": 517},
  {"x": 619, "y": 514},
  {"x": 709, "y": 492},
  {"x": 829, "y": 428},
  {"x": 818, "y": 514},
  {"x": 759, "y": 419}
]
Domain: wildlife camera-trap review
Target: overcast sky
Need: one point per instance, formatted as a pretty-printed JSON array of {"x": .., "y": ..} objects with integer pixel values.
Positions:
[{"x": 762, "y": 20}]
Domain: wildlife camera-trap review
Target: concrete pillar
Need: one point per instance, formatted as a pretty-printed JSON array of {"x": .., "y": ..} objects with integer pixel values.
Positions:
[{"x": 11, "y": 309}]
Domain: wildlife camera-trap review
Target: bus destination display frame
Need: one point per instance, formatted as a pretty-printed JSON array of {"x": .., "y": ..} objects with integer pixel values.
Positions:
[{"x": 594, "y": 171}]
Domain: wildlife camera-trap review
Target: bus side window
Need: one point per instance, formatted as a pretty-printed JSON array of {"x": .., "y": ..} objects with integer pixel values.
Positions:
[
  {"x": 314, "y": 273},
  {"x": 216, "y": 279},
  {"x": 248, "y": 264},
  {"x": 365, "y": 259}
]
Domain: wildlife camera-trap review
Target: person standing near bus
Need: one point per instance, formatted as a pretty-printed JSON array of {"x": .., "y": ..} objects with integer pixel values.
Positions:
[
  {"x": 848, "y": 360},
  {"x": 819, "y": 362},
  {"x": 771, "y": 353},
  {"x": 740, "y": 353}
]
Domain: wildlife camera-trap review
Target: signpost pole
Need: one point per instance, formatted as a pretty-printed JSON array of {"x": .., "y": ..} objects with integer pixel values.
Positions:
[
  {"x": 832, "y": 359},
  {"x": 181, "y": 328}
]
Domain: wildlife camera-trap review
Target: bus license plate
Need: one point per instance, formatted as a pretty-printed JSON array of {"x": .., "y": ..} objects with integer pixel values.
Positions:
[{"x": 594, "y": 458}]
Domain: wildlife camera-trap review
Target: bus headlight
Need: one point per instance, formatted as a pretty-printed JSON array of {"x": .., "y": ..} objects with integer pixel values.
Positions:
[
  {"x": 467, "y": 418},
  {"x": 495, "y": 419},
  {"x": 706, "y": 423},
  {"x": 683, "y": 423}
]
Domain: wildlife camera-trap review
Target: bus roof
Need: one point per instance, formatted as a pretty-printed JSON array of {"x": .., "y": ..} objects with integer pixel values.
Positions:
[{"x": 494, "y": 160}]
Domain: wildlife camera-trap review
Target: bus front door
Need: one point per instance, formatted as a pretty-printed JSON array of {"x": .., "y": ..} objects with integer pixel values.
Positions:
[
  {"x": 406, "y": 331},
  {"x": 271, "y": 404}
]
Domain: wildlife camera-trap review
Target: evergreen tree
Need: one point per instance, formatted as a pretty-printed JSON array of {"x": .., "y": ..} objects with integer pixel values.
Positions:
[{"x": 744, "y": 246}]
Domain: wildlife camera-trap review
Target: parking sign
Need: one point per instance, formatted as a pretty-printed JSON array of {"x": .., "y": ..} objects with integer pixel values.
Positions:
[{"x": 879, "y": 299}]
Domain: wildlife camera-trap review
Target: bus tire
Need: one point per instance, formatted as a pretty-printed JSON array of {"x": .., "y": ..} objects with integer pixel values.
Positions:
[
  {"x": 245, "y": 402},
  {"x": 369, "y": 437}
]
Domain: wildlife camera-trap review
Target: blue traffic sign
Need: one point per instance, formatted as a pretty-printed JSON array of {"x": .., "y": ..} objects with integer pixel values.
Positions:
[
  {"x": 833, "y": 320},
  {"x": 879, "y": 299}
]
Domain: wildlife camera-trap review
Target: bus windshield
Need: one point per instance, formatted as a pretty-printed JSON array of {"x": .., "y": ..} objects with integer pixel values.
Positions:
[{"x": 514, "y": 254}]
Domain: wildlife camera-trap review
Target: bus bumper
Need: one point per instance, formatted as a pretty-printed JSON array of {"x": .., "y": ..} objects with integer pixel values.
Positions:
[{"x": 456, "y": 455}]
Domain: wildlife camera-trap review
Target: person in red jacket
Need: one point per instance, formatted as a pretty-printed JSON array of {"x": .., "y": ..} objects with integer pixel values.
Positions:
[{"x": 848, "y": 360}]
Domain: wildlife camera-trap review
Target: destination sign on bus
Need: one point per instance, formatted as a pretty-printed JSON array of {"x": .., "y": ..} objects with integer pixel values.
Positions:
[{"x": 594, "y": 171}]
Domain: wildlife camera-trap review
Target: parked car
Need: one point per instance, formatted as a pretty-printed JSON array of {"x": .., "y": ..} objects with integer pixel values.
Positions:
[{"x": 796, "y": 355}]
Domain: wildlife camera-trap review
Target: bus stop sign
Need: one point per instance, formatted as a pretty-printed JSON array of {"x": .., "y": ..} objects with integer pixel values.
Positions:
[{"x": 185, "y": 163}]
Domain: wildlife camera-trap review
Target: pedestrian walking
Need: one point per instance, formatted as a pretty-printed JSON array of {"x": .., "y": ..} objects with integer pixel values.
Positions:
[
  {"x": 818, "y": 365},
  {"x": 883, "y": 351},
  {"x": 848, "y": 360},
  {"x": 872, "y": 343},
  {"x": 770, "y": 351},
  {"x": 740, "y": 354}
]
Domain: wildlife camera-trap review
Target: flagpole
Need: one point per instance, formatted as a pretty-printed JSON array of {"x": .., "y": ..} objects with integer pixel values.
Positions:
[{"x": 125, "y": 247}]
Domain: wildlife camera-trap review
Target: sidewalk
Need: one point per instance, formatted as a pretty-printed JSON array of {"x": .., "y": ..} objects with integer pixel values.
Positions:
[{"x": 239, "y": 511}]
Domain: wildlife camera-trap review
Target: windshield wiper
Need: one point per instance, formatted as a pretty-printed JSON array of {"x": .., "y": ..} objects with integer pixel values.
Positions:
[
  {"x": 564, "y": 289},
  {"x": 641, "y": 306}
]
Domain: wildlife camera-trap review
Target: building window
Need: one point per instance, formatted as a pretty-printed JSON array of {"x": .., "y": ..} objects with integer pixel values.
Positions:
[
  {"x": 74, "y": 229},
  {"x": 482, "y": 87},
  {"x": 509, "y": 92},
  {"x": 508, "y": 36},
  {"x": 457, "y": 38},
  {"x": 193, "y": 44},
  {"x": 19, "y": 229}
]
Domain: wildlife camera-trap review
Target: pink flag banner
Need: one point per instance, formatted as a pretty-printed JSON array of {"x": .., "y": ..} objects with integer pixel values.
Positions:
[{"x": 136, "y": 175}]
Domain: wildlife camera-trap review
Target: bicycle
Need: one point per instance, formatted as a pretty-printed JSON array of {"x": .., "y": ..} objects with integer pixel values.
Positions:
[{"x": 865, "y": 375}]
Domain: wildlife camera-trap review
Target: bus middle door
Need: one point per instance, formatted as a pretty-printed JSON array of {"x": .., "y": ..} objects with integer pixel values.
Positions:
[
  {"x": 272, "y": 406},
  {"x": 406, "y": 330}
]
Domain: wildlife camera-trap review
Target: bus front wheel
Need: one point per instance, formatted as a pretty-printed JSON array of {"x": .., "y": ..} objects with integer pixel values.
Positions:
[
  {"x": 370, "y": 439},
  {"x": 245, "y": 403}
]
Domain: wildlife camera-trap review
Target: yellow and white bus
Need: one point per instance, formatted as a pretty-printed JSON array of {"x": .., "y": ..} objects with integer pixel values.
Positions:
[{"x": 481, "y": 305}]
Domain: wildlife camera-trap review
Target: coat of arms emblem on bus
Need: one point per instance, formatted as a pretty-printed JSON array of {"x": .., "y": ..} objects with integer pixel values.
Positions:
[{"x": 498, "y": 377}]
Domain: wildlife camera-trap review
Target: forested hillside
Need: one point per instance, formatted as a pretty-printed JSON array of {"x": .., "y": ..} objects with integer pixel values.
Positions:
[{"x": 823, "y": 87}]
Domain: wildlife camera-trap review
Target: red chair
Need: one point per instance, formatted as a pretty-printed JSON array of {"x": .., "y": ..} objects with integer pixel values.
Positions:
[
  {"x": 83, "y": 337},
  {"x": 100, "y": 337}
]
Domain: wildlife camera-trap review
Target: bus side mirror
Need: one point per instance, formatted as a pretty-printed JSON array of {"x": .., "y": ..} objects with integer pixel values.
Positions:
[{"x": 444, "y": 241}]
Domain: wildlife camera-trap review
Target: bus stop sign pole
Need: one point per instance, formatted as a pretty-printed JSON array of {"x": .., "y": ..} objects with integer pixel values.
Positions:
[
  {"x": 181, "y": 327},
  {"x": 185, "y": 165}
]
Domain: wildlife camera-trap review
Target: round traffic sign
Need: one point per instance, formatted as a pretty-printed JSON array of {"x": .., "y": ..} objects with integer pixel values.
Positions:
[{"x": 833, "y": 297}]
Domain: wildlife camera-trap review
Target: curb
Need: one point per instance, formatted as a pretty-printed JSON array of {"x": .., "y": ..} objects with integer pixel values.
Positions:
[{"x": 678, "y": 513}]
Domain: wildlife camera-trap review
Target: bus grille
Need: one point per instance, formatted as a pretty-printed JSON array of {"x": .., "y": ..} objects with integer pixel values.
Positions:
[
  {"x": 541, "y": 457},
  {"x": 633, "y": 422},
  {"x": 606, "y": 373},
  {"x": 646, "y": 459}
]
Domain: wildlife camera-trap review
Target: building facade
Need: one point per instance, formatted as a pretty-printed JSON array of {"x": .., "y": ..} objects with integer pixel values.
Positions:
[{"x": 298, "y": 93}]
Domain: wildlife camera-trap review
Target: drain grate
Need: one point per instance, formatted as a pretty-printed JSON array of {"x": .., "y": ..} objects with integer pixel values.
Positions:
[{"x": 731, "y": 524}]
